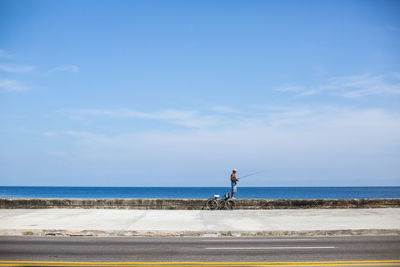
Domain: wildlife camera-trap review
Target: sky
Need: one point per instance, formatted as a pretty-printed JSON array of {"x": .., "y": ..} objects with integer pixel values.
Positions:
[{"x": 178, "y": 93}]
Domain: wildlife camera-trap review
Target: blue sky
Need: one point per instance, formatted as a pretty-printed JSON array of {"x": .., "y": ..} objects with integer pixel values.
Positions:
[{"x": 177, "y": 93}]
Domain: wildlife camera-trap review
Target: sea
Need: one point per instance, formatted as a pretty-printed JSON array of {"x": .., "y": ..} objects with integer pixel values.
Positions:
[{"x": 199, "y": 192}]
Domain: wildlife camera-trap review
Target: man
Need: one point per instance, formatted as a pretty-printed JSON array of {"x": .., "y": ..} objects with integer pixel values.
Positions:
[{"x": 233, "y": 182}]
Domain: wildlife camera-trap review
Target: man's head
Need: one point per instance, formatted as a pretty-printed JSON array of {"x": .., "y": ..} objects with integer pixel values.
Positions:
[{"x": 234, "y": 171}]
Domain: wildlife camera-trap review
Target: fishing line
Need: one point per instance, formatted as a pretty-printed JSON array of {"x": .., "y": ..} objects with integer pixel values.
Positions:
[{"x": 254, "y": 173}]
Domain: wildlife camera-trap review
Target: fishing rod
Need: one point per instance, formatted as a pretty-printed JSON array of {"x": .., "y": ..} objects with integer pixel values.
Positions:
[{"x": 254, "y": 173}]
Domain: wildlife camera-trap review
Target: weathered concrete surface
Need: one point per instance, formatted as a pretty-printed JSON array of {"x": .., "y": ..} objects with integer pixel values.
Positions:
[
  {"x": 112, "y": 222},
  {"x": 195, "y": 204}
]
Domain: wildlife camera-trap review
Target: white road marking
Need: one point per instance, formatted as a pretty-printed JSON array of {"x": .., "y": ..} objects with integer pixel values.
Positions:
[
  {"x": 251, "y": 248},
  {"x": 255, "y": 240}
]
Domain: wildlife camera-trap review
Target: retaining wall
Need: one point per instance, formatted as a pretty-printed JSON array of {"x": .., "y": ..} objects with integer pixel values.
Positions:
[{"x": 194, "y": 204}]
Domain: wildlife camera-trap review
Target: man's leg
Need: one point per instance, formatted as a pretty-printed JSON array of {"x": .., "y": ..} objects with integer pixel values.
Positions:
[{"x": 234, "y": 189}]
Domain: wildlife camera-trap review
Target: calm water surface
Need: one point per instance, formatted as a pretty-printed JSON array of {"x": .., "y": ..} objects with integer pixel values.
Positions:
[{"x": 199, "y": 192}]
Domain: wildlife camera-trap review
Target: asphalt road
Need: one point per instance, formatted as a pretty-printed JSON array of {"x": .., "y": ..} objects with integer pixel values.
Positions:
[{"x": 89, "y": 251}]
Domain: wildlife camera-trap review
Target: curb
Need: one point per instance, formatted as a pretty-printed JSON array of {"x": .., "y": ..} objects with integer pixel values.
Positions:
[{"x": 202, "y": 234}]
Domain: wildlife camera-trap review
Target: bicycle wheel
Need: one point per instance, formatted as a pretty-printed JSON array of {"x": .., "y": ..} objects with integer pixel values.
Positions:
[
  {"x": 211, "y": 204},
  {"x": 230, "y": 204},
  {"x": 222, "y": 204}
]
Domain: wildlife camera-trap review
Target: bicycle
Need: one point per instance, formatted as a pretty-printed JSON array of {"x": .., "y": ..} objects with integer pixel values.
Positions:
[{"x": 222, "y": 204}]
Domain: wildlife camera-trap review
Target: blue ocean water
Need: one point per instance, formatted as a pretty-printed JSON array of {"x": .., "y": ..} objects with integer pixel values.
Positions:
[{"x": 199, "y": 192}]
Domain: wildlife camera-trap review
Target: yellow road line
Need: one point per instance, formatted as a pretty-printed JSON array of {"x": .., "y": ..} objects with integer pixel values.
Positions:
[
  {"x": 201, "y": 262},
  {"x": 216, "y": 264},
  {"x": 246, "y": 265}
]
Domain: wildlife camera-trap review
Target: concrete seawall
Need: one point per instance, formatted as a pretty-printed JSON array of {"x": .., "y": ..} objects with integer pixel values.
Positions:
[{"x": 194, "y": 204}]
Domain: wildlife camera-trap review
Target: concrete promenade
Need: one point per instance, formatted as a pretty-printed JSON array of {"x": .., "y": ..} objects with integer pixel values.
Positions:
[{"x": 201, "y": 223}]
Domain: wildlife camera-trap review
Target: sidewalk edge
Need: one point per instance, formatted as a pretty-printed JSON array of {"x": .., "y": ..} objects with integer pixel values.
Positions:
[{"x": 207, "y": 234}]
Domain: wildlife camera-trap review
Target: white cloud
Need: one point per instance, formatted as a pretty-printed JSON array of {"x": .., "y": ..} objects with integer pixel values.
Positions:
[
  {"x": 308, "y": 92},
  {"x": 4, "y": 54},
  {"x": 12, "y": 86},
  {"x": 303, "y": 144},
  {"x": 15, "y": 68},
  {"x": 225, "y": 109},
  {"x": 185, "y": 118},
  {"x": 290, "y": 89},
  {"x": 64, "y": 68},
  {"x": 355, "y": 86},
  {"x": 320, "y": 128},
  {"x": 363, "y": 85}
]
